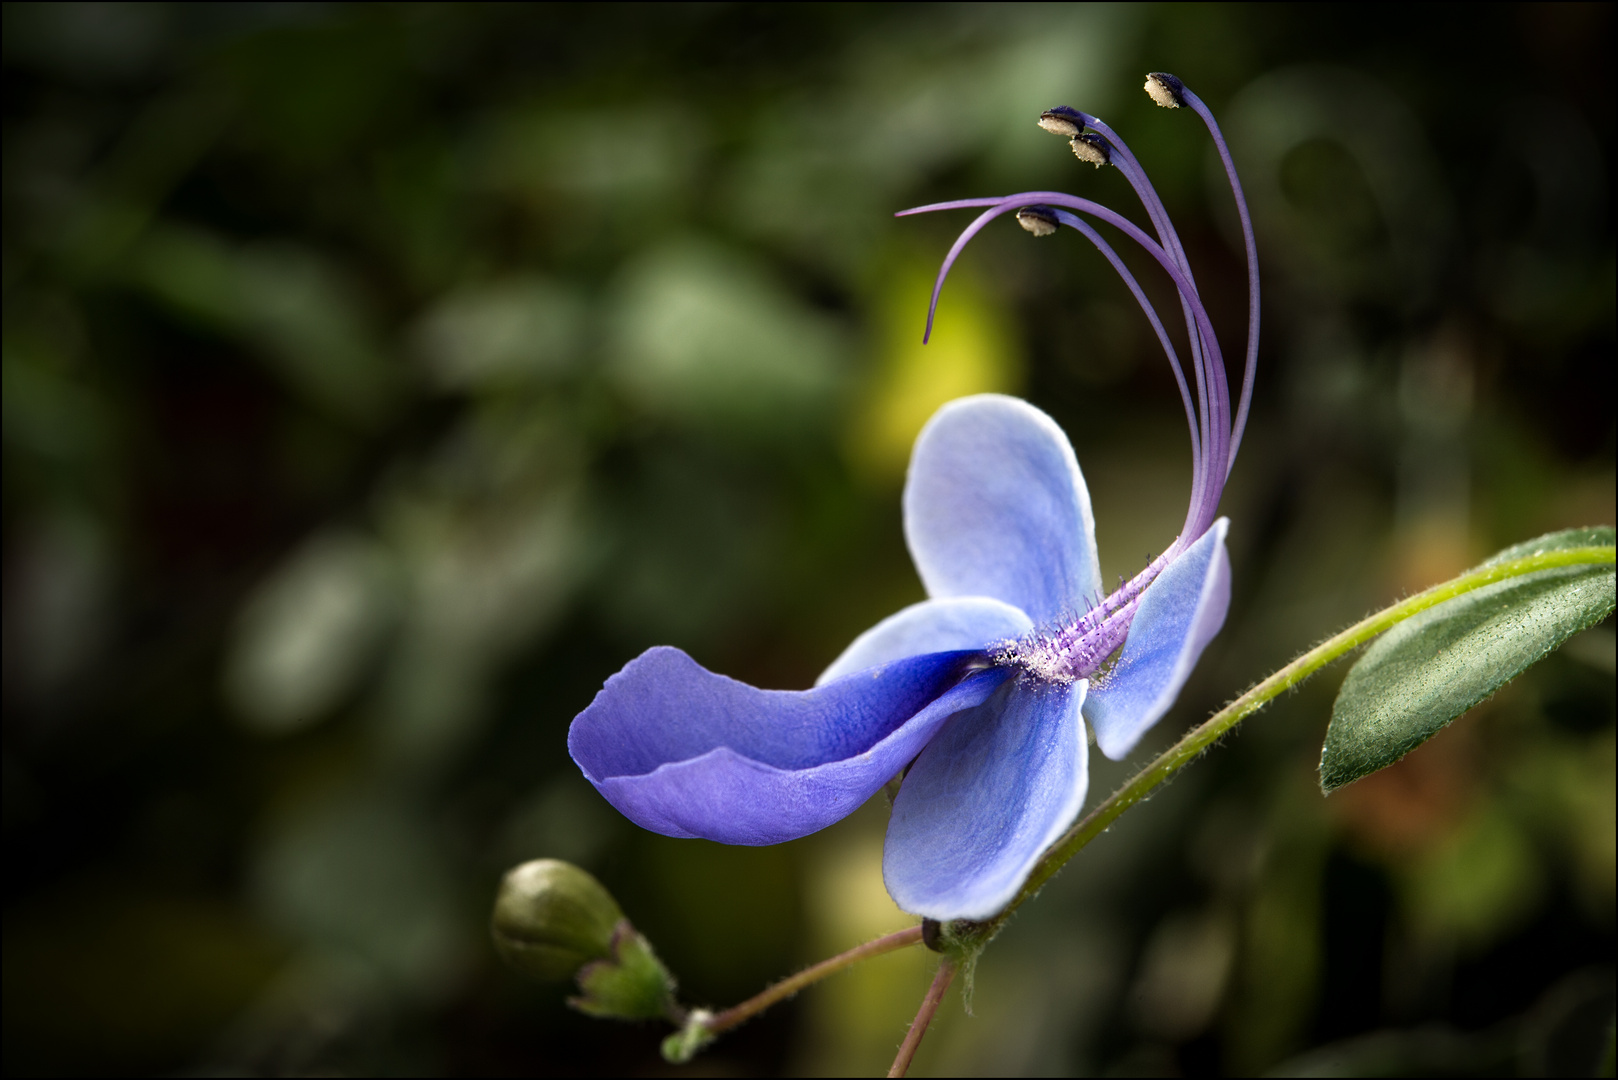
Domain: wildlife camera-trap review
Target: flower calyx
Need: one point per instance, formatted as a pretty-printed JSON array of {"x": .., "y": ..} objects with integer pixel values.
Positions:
[
  {"x": 631, "y": 984},
  {"x": 961, "y": 942}
]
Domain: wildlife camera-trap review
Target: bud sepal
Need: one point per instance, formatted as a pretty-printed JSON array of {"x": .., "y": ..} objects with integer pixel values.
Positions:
[{"x": 629, "y": 984}]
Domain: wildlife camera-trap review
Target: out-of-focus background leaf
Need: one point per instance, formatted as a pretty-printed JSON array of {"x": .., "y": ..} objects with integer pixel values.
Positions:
[{"x": 377, "y": 380}]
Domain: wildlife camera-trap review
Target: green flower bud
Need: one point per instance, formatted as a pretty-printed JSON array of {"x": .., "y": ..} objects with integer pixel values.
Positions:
[
  {"x": 551, "y": 919},
  {"x": 631, "y": 984}
]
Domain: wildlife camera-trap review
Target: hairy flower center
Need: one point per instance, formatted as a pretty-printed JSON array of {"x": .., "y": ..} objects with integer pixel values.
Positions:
[{"x": 1077, "y": 648}]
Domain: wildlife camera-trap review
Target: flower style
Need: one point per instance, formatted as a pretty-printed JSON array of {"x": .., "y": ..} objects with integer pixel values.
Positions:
[{"x": 978, "y": 695}]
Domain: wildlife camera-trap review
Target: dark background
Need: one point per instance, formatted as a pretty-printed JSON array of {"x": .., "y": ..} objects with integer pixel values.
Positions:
[{"x": 377, "y": 380}]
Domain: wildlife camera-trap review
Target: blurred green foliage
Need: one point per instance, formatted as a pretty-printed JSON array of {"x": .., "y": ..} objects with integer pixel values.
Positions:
[{"x": 379, "y": 379}]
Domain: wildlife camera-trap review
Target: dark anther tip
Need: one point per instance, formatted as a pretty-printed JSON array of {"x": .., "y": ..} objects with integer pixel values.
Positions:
[
  {"x": 1063, "y": 121},
  {"x": 1039, "y": 220},
  {"x": 1092, "y": 149},
  {"x": 1165, "y": 89},
  {"x": 931, "y": 929}
]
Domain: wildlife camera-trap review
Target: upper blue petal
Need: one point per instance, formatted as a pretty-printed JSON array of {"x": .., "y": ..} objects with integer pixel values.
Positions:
[
  {"x": 682, "y": 751},
  {"x": 996, "y": 786},
  {"x": 995, "y": 505},
  {"x": 958, "y": 622},
  {"x": 1179, "y": 614}
]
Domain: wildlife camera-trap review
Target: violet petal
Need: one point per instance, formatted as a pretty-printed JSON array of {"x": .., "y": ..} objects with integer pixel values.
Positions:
[
  {"x": 953, "y": 623},
  {"x": 995, "y": 505},
  {"x": 685, "y": 752},
  {"x": 1179, "y": 614},
  {"x": 996, "y": 786}
]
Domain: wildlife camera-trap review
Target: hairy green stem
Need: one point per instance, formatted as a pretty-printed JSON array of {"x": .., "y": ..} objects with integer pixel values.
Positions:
[{"x": 1201, "y": 737}]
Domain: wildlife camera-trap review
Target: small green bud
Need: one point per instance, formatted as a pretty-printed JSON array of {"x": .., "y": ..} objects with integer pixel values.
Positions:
[
  {"x": 551, "y": 919},
  {"x": 631, "y": 984}
]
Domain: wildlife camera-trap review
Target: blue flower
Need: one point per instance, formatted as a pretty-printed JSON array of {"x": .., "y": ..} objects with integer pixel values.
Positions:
[{"x": 980, "y": 694}]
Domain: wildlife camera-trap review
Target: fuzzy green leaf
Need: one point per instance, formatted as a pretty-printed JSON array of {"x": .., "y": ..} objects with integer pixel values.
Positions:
[{"x": 1434, "y": 666}]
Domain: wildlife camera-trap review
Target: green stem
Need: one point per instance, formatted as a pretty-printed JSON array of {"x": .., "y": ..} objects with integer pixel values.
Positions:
[
  {"x": 1198, "y": 739},
  {"x": 734, "y": 1015}
]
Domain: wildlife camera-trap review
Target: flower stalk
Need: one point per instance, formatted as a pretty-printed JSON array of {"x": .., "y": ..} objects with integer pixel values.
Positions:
[
  {"x": 702, "y": 1027},
  {"x": 924, "y": 1017}
]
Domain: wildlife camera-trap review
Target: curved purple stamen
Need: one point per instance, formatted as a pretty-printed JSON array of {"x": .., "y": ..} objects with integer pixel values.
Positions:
[
  {"x": 1216, "y": 439},
  {"x": 1198, "y": 469},
  {"x": 1196, "y": 418},
  {"x": 1079, "y": 648},
  {"x": 955, "y": 250},
  {"x": 1250, "y": 366},
  {"x": 1000, "y": 205},
  {"x": 1125, "y": 161},
  {"x": 1073, "y": 221}
]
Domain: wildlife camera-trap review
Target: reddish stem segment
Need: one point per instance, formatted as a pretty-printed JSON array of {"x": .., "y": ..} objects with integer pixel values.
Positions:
[
  {"x": 791, "y": 985},
  {"x": 924, "y": 1016}
]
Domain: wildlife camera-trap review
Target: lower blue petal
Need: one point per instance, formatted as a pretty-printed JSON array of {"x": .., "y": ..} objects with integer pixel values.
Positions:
[
  {"x": 995, "y": 787},
  {"x": 1179, "y": 614},
  {"x": 684, "y": 752}
]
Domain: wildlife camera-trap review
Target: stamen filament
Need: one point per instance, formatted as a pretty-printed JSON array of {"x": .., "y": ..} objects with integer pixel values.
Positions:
[
  {"x": 1130, "y": 166},
  {"x": 1250, "y": 366},
  {"x": 1216, "y": 448},
  {"x": 1083, "y": 227},
  {"x": 1215, "y": 435}
]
